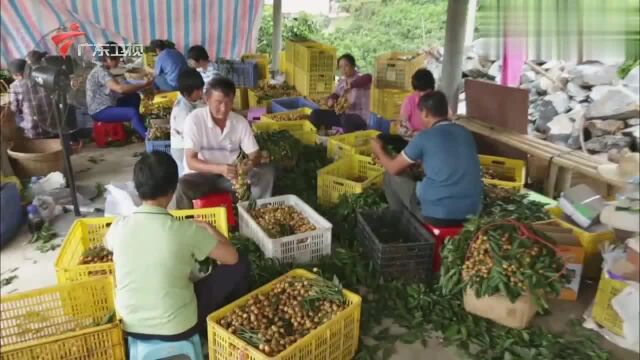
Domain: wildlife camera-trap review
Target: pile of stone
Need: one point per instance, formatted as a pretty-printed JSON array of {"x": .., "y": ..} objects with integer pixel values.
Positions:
[
  {"x": 581, "y": 106},
  {"x": 586, "y": 106}
]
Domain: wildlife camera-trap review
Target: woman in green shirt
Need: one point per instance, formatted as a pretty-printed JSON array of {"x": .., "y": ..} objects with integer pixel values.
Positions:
[{"x": 154, "y": 253}]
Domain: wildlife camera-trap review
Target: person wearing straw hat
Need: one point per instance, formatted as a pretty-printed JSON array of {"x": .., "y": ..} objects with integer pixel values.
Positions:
[{"x": 623, "y": 213}]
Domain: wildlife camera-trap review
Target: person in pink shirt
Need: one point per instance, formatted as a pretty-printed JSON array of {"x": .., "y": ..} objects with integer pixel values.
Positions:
[
  {"x": 357, "y": 88},
  {"x": 422, "y": 83}
]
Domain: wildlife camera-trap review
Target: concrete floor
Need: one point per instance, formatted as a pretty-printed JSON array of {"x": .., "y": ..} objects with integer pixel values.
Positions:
[{"x": 115, "y": 165}]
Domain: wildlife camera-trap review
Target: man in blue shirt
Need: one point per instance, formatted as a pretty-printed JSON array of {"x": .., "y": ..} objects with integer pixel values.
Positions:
[
  {"x": 452, "y": 187},
  {"x": 169, "y": 63}
]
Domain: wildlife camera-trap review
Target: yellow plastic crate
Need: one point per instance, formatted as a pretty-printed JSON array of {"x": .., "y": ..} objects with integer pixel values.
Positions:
[
  {"x": 61, "y": 322},
  {"x": 314, "y": 84},
  {"x": 315, "y": 58},
  {"x": 303, "y": 130},
  {"x": 292, "y": 50},
  {"x": 357, "y": 142},
  {"x": 334, "y": 179},
  {"x": 263, "y": 61},
  {"x": 603, "y": 313},
  {"x": 394, "y": 128},
  {"x": 241, "y": 99},
  {"x": 149, "y": 59},
  {"x": 254, "y": 103},
  {"x": 392, "y": 72},
  {"x": 590, "y": 241},
  {"x": 276, "y": 117},
  {"x": 283, "y": 62},
  {"x": 507, "y": 168},
  {"x": 335, "y": 339},
  {"x": 88, "y": 232},
  {"x": 387, "y": 102},
  {"x": 166, "y": 99},
  {"x": 289, "y": 74}
]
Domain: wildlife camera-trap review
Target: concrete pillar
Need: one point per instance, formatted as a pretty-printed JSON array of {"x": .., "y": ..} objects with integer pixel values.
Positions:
[
  {"x": 276, "y": 40},
  {"x": 471, "y": 22},
  {"x": 454, "y": 51}
]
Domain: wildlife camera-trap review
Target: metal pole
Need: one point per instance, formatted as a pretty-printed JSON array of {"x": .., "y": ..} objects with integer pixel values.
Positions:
[
  {"x": 276, "y": 40},
  {"x": 59, "y": 113},
  {"x": 454, "y": 51}
]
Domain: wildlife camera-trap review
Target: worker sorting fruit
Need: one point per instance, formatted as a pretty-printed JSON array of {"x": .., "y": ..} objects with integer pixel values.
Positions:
[
  {"x": 214, "y": 140},
  {"x": 154, "y": 255},
  {"x": 452, "y": 187},
  {"x": 349, "y": 104}
]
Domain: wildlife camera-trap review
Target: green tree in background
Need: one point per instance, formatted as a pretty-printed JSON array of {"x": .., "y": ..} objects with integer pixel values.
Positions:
[
  {"x": 297, "y": 28},
  {"x": 390, "y": 25},
  {"x": 373, "y": 27}
]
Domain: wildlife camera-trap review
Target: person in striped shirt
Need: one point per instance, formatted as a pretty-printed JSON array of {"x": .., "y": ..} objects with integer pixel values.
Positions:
[{"x": 198, "y": 58}]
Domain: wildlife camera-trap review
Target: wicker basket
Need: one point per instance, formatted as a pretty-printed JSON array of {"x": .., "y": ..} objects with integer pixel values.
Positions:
[
  {"x": 136, "y": 75},
  {"x": 37, "y": 157},
  {"x": 9, "y": 130}
]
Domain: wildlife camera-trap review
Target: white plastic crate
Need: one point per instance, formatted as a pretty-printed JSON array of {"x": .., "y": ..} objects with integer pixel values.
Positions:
[{"x": 300, "y": 248}]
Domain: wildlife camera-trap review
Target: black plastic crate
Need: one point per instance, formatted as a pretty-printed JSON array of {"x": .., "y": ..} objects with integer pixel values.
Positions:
[{"x": 397, "y": 243}]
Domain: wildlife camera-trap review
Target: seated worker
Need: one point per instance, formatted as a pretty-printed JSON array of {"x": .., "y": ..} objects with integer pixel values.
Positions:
[
  {"x": 452, "y": 187},
  {"x": 213, "y": 139},
  {"x": 154, "y": 294},
  {"x": 111, "y": 101},
  {"x": 198, "y": 57},
  {"x": 422, "y": 82},
  {"x": 169, "y": 63},
  {"x": 357, "y": 89},
  {"x": 32, "y": 106},
  {"x": 190, "y": 85}
]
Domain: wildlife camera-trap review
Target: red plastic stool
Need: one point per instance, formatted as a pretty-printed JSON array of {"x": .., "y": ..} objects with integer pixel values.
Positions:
[
  {"x": 217, "y": 200},
  {"x": 441, "y": 234},
  {"x": 104, "y": 133}
]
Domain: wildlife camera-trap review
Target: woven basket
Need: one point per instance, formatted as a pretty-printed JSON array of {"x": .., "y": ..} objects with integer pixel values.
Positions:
[
  {"x": 37, "y": 157},
  {"x": 9, "y": 130},
  {"x": 138, "y": 74}
]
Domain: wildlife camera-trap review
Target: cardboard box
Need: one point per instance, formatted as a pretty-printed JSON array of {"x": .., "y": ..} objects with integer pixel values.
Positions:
[
  {"x": 571, "y": 252},
  {"x": 582, "y": 204},
  {"x": 500, "y": 309}
]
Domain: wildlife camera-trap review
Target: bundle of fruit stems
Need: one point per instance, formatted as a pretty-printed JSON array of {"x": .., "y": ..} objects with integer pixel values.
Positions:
[{"x": 503, "y": 257}]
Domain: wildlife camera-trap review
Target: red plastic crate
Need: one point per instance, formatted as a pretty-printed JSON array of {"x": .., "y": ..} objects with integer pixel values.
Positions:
[
  {"x": 105, "y": 133},
  {"x": 217, "y": 200},
  {"x": 440, "y": 234}
]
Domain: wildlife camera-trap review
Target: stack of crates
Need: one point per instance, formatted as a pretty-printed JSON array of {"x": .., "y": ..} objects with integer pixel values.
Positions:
[
  {"x": 310, "y": 66},
  {"x": 263, "y": 61},
  {"x": 392, "y": 83}
]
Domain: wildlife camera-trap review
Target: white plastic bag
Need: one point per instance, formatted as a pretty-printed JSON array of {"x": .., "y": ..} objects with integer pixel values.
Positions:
[
  {"x": 626, "y": 304},
  {"x": 121, "y": 199},
  {"x": 47, "y": 207}
]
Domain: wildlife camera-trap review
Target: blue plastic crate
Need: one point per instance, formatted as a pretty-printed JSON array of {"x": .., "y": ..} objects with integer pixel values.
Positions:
[
  {"x": 288, "y": 104},
  {"x": 12, "y": 214},
  {"x": 379, "y": 123},
  {"x": 158, "y": 145},
  {"x": 245, "y": 74}
]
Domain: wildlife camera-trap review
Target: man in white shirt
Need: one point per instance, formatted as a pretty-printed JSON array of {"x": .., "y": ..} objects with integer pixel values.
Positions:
[
  {"x": 213, "y": 139},
  {"x": 190, "y": 85}
]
